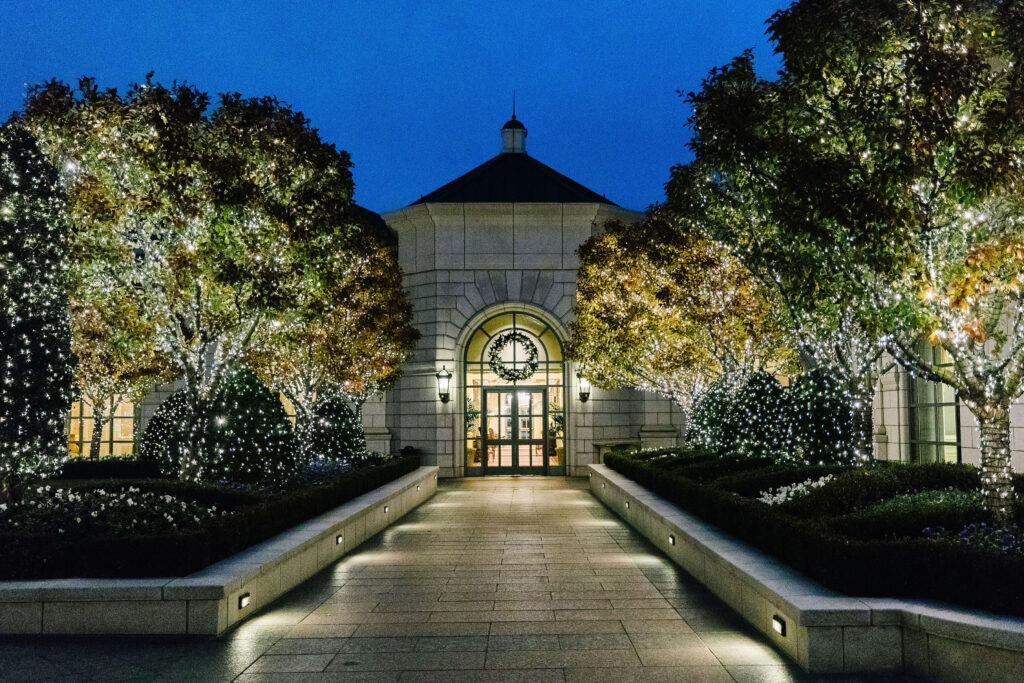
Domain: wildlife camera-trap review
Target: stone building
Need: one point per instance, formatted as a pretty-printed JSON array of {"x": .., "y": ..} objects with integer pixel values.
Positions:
[{"x": 490, "y": 264}]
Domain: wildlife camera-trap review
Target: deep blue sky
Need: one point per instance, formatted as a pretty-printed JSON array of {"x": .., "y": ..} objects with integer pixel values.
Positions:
[{"x": 416, "y": 91}]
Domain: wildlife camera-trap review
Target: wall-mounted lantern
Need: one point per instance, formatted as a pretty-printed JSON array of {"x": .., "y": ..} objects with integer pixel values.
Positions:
[
  {"x": 584, "y": 388},
  {"x": 444, "y": 384}
]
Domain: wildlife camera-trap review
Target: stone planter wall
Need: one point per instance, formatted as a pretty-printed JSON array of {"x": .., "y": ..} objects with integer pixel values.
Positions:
[
  {"x": 209, "y": 601},
  {"x": 825, "y": 632}
]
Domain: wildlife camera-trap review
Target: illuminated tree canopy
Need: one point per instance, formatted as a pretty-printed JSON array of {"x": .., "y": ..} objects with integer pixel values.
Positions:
[
  {"x": 217, "y": 222},
  {"x": 660, "y": 307},
  {"x": 882, "y": 170}
]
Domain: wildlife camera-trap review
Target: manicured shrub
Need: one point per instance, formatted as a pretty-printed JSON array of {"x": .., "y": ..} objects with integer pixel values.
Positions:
[
  {"x": 183, "y": 551},
  {"x": 859, "y": 488},
  {"x": 711, "y": 468},
  {"x": 912, "y": 567},
  {"x": 754, "y": 482},
  {"x": 36, "y": 362},
  {"x": 820, "y": 417},
  {"x": 84, "y": 511},
  {"x": 332, "y": 431},
  {"x": 714, "y": 421},
  {"x": 111, "y": 467},
  {"x": 762, "y": 418},
  {"x": 166, "y": 437},
  {"x": 248, "y": 438},
  {"x": 909, "y": 515}
]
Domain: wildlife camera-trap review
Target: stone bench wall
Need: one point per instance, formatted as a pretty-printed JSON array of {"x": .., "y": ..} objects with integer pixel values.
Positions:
[{"x": 826, "y": 632}]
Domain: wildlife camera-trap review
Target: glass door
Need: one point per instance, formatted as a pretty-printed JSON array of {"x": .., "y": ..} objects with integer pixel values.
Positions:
[{"x": 514, "y": 436}]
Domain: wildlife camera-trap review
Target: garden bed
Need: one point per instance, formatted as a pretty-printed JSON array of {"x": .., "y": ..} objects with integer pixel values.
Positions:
[
  {"x": 211, "y": 535},
  {"x": 863, "y": 533}
]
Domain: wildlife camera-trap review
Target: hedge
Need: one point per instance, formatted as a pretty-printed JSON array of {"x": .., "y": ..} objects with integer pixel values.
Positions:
[
  {"x": 109, "y": 468},
  {"x": 913, "y": 568},
  {"x": 179, "y": 553}
]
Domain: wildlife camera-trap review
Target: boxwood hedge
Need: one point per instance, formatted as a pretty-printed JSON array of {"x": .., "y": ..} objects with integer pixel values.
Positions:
[
  {"x": 37, "y": 556},
  {"x": 907, "y": 567}
]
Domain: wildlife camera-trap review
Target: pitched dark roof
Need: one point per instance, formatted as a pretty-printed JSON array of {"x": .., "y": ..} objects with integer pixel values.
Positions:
[{"x": 512, "y": 177}]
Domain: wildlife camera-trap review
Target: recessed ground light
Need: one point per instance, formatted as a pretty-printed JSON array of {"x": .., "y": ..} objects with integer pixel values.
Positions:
[
  {"x": 602, "y": 484},
  {"x": 779, "y": 624},
  {"x": 671, "y": 539},
  {"x": 385, "y": 509},
  {"x": 435, "y": 477},
  {"x": 243, "y": 600},
  {"x": 627, "y": 504},
  {"x": 338, "y": 539},
  {"x": 417, "y": 487}
]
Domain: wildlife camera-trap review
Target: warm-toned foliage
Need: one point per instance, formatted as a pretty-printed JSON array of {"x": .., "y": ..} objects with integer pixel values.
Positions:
[{"x": 661, "y": 307}]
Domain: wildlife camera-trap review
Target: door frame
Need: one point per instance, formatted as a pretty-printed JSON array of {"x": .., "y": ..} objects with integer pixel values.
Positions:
[{"x": 515, "y": 443}]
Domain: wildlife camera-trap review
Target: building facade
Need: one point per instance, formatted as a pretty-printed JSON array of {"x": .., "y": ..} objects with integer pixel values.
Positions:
[{"x": 490, "y": 264}]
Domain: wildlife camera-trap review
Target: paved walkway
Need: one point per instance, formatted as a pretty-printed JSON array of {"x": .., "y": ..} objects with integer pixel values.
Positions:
[{"x": 503, "y": 579}]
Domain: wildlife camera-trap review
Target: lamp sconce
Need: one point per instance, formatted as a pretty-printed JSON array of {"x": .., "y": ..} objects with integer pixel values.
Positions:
[
  {"x": 444, "y": 385},
  {"x": 584, "y": 388}
]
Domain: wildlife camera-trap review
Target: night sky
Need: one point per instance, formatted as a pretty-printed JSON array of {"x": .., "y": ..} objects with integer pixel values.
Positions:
[{"x": 417, "y": 91}]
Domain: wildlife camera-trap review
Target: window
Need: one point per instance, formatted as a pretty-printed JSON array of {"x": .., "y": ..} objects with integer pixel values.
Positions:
[
  {"x": 118, "y": 437},
  {"x": 934, "y": 415}
]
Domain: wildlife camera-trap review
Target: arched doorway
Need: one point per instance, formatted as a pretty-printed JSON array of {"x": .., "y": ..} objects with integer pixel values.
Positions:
[{"x": 514, "y": 413}]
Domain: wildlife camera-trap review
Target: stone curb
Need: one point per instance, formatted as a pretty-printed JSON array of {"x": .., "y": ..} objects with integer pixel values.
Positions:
[
  {"x": 825, "y": 632},
  {"x": 212, "y": 599}
]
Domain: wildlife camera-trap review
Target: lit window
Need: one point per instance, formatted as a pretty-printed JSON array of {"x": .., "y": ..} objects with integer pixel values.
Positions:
[
  {"x": 934, "y": 415},
  {"x": 117, "y": 437}
]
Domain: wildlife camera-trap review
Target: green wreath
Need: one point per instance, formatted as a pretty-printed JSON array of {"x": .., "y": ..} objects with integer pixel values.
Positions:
[{"x": 498, "y": 366}]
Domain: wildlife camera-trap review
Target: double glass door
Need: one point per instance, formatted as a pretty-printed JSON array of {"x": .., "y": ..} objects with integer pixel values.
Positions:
[{"x": 515, "y": 440}]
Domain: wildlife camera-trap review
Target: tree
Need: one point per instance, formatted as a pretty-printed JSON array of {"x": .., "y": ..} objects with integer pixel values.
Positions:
[
  {"x": 896, "y": 134},
  {"x": 740, "y": 188},
  {"x": 346, "y": 339},
  {"x": 36, "y": 362},
  {"x": 118, "y": 357},
  {"x": 660, "y": 307},
  {"x": 213, "y": 222}
]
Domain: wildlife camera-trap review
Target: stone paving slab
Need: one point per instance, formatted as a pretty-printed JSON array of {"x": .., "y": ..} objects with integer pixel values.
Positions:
[{"x": 493, "y": 580}]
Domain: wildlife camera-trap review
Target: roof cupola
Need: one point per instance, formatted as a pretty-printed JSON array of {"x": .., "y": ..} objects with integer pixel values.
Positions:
[{"x": 513, "y": 137}]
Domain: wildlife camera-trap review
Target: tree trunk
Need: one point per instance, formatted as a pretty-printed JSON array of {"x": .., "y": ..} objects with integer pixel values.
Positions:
[
  {"x": 99, "y": 419},
  {"x": 996, "y": 478}
]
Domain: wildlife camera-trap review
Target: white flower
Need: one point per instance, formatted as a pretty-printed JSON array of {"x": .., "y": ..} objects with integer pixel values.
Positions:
[{"x": 787, "y": 493}]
